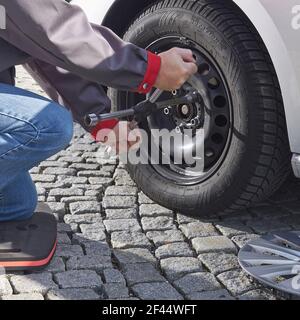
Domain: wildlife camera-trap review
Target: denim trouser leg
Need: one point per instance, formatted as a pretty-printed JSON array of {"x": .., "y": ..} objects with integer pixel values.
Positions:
[{"x": 32, "y": 128}]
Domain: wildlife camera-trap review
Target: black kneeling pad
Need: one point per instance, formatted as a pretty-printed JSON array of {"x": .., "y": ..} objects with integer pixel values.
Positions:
[{"x": 28, "y": 244}]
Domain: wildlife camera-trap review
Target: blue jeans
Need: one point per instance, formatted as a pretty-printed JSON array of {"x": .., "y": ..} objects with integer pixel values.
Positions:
[{"x": 32, "y": 128}]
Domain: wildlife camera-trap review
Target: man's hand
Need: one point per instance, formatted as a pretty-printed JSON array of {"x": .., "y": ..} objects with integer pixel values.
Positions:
[
  {"x": 125, "y": 136},
  {"x": 177, "y": 65}
]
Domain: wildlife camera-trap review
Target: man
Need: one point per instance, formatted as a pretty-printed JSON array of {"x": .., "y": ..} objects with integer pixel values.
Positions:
[{"x": 70, "y": 59}]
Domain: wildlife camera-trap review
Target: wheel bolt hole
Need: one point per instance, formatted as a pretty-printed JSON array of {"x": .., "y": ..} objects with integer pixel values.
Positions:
[
  {"x": 220, "y": 101},
  {"x": 213, "y": 83},
  {"x": 221, "y": 121},
  {"x": 217, "y": 138},
  {"x": 203, "y": 69}
]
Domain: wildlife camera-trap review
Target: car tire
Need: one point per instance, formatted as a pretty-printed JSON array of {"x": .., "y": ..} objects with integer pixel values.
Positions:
[{"x": 256, "y": 158}]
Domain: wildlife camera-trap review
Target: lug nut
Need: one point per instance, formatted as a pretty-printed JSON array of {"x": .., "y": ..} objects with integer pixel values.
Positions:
[
  {"x": 166, "y": 111},
  {"x": 195, "y": 122}
]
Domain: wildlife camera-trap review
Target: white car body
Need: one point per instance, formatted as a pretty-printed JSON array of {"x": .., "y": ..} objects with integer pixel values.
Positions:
[{"x": 278, "y": 23}]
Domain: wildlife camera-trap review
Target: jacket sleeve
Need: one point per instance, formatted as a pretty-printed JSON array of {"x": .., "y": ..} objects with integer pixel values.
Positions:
[
  {"x": 79, "y": 95},
  {"x": 59, "y": 34}
]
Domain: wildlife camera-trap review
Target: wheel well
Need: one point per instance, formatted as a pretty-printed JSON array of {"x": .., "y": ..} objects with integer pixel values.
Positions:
[{"x": 117, "y": 21}]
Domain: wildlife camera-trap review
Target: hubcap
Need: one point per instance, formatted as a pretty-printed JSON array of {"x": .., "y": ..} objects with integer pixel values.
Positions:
[{"x": 274, "y": 260}]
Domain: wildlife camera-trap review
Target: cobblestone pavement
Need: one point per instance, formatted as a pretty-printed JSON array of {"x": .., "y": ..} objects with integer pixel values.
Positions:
[{"x": 115, "y": 243}]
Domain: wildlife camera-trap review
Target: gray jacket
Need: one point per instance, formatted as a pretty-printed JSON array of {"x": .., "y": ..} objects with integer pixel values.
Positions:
[{"x": 69, "y": 57}]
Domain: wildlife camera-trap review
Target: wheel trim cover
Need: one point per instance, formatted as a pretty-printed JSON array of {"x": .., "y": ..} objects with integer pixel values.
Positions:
[{"x": 274, "y": 260}]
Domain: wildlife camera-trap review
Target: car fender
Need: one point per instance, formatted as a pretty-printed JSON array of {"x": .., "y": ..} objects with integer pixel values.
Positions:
[{"x": 278, "y": 23}]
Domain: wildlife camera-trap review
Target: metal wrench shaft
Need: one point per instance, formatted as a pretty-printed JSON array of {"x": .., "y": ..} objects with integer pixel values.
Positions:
[{"x": 144, "y": 108}]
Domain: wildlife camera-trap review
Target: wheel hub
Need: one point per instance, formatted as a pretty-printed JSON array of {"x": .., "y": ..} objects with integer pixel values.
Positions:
[
  {"x": 184, "y": 110},
  {"x": 186, "y": 115}
]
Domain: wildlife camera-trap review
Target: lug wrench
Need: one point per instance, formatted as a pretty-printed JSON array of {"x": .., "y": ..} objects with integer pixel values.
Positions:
[{"x": 142, "y": 110}]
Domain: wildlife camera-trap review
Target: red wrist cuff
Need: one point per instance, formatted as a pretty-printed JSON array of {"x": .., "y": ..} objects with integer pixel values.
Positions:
[
  {"x": 154, "y": 63},
  {"x": 106, "y": 124}
]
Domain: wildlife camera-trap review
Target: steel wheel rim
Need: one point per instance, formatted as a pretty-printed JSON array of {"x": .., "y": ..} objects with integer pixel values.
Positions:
[{"x": 218, "y": 110}]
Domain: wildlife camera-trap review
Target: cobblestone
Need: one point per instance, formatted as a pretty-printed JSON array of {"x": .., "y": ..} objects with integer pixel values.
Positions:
[
  {"x": 88, "y": 218},
  {"x": 165, "y": 237},
  {"x": 213, "y": 244},
  {"x": 43, "y": 177},
  {"x": 92, "y": 248},
  {"x": 68, "y": 251},
  {"x": 85, "y": 207},
  {"x": 195, "y": 282},
  {"x": 24, "y": 296},
  {"x": 236, "y": 282},
  {"x": 97, "y": 263},
  {"x": 134, "y": 255},
  {"x": 230, "y": 229},
  {"x": 198, "y": 229},
  {"x": 121, "y": 191},
  {"x": 122, "y": 224},
  {"x": 175, "y": 268},
  {"x": 120, "y": 213},
  {"x": 92, "y": 173},
  {"x": 63, "y": 238},
  {"x": 72, "y": 294},
  {"x": 154, "y": 210},
  {"x": 141, "y": 272},
  {"x": 241, "y": 240},
  {"x": 143, "y": 199},
  {"x": 73, "y": 199},
  {"x": 5, "y": 288},
  {"x": 79, "y": 279},
  {"x": 60, "y": 171},
  {"x": 257, "y": 295},
  {"x": 100, "y": 181},
  {"x": 84, "y": 166},
  {"x": 118, "y": 202},
  {"x": 157, "y": 223},
  {"x": 113, "y": 276},
  {"x": 73, "y": 180},
  {"x": 219, "y": 262},
  {"x": 66, "y": 192},
  {"x": 127, "y": 239},
  {"x": 122, "y": 178},
  {"x": 177, "y": 249},
  {"x": 88, "y": 237},
  {"x": 33, "y": 283},
  {"x": 47, "y": 164},
  {"x": 116, "y": 290},
  {"x": 156, "y": 291},
  {"x": 71, "y": 159},
  {"x": 63, "y": 227},
  {"x": 57, "y": 207},
  {"x": 210, "y": 295}
]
